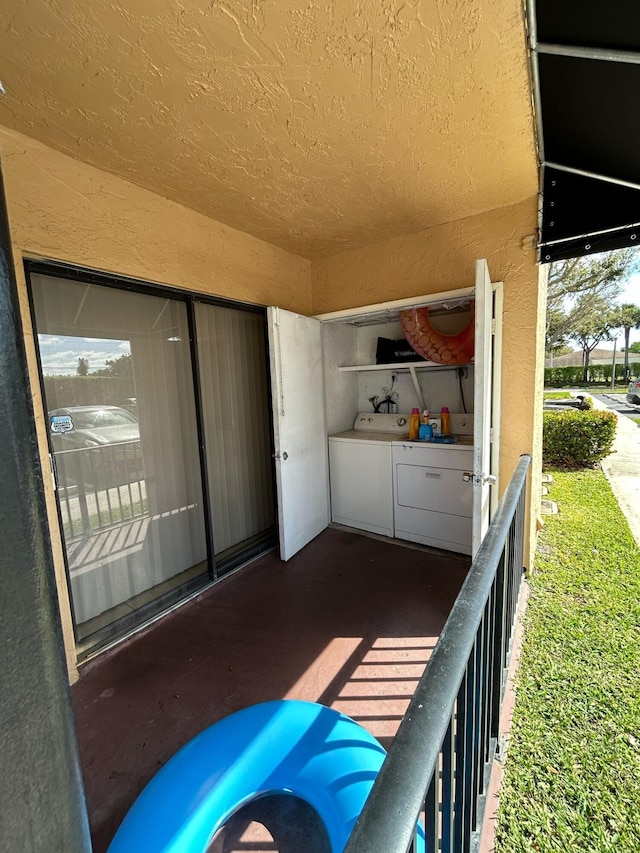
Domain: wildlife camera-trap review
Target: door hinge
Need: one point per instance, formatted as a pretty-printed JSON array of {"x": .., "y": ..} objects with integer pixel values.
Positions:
[{"x": 493, "y": 325}]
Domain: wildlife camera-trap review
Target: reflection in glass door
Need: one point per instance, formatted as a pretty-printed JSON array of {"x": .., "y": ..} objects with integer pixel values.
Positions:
[{"x": 119, "y": 392}]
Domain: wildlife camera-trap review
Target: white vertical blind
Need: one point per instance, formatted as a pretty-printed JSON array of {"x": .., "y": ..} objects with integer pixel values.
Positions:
[
  {"x": 166, "y": 539},
  {"x": 233, "y": 374},
  {"x": 168, "y": 435}
]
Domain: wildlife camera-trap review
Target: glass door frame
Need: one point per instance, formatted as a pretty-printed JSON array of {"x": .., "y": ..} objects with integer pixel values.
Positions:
[{"x": 120, "y": 629}]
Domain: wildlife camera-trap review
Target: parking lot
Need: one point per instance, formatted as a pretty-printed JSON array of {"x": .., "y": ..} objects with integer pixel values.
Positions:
[{"x": 616, "y": 401}]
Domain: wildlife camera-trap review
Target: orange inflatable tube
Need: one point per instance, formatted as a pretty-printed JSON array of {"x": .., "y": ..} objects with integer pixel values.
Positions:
[{"x": 436, "y": 346}]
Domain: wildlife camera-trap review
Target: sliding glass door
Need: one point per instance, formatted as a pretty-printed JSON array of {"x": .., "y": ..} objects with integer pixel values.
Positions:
[
  {"x": 118, "y": 383},
  {"x": 236, "y": 419},
  {"x": 159, "y": 418}
]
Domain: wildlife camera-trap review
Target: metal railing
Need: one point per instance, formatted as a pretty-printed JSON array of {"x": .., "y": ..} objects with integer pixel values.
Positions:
[
  {"x": 100, "y": 487},
  {"x": 438, "y": 766}
]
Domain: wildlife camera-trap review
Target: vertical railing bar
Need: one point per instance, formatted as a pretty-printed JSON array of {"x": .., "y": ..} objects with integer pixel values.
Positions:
[
  {"x": 490, "y": 660},
  {"x": 516, "y": 574},
  {"x": 81, "y": 491},
  {"x": 107, "y": 491},
  {"x": 91, "y": 475},
  {"x": 516, "y": 571},
  {"x": 460, "y": 757},
  {"x": 72, "y": 529},
  {"x": 508, "y": 550},
  {"x": 509, "y": 598},
  {"x": 513, "y": 541},
  {"x": 431, "y": 813},
  {"x": 447, "y": 789},
  {"x": 94, "y": 494},
  {"x": 487, "y": 680},
  {"x": 489, "y": 674},
  {"x": 478, "y": 711},
  {"x": 508, "y": 614},
  {"x": 470, "y": 752},
  {"x": 484, "y": 679},
  {"x": 139, "y": 481},
  {"x": 477, "y": 723},
  {"x": 501, "y": 593},
  {"x": 120, "y": 505},
  {"x": 133, "y": 468}
]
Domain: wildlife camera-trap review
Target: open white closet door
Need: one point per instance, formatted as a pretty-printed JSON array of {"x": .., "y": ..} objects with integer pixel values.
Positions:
[
  {"x": 483, "y": 476},
  {"x": 496, "y": 402},
  {"x": 302, "y": 480}
]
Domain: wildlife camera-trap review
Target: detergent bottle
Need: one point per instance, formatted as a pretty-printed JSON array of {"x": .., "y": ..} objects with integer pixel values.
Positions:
[
  {"x": 414, "y": 424},
  {"x": 445, "y": 421},
  {"x": 425, "y": 433}
]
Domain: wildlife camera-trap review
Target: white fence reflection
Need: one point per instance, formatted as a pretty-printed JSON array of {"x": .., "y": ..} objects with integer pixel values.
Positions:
[{"x": 100, "y": 487}]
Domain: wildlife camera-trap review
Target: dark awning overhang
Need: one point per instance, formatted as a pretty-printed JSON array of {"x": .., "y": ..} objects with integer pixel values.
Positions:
[{"x": 586, "y": 74}]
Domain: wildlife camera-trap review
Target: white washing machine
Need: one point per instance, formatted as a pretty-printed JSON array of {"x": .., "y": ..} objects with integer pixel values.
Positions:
[
  {"x": 360, "y": 471},
  {"x": 361, "y": 474}
]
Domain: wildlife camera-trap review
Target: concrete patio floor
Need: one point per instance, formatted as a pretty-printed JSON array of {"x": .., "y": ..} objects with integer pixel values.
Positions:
[{"x": 349, "y": 622}]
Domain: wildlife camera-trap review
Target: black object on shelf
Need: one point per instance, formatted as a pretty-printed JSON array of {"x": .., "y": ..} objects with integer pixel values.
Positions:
[{"x": 395, "y": 352}]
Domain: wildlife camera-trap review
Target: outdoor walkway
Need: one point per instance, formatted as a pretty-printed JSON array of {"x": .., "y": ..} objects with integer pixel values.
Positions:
[{"x": 622, "y": 469}]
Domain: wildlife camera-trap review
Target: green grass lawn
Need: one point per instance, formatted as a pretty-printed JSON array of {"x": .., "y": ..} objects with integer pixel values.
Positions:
[
  {"x": 572, "y": 778},
  {"x": 105, "y": 517}
]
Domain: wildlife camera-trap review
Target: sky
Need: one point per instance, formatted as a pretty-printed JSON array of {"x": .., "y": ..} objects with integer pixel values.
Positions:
[
  {"x": 631, "y": 294},
  {"x": 59, "y": 354}
]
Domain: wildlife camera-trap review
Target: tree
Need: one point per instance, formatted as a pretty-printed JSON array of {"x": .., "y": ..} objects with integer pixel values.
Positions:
[
  {"x": 83, "y": 367},
  {"x": 626, "y": 317},
  {"x": 601, "y": 275},
  {"x": 594, "y": 323},
  {"x": 120, "y": 366},
  {"x": 635, "y": 347}
]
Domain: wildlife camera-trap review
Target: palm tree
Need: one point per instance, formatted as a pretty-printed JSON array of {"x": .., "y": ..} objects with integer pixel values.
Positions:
[{"x": 627, "y": 318}]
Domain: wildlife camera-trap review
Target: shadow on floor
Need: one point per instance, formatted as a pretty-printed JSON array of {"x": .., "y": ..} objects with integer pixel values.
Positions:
[
  {"x": 279, "y": 823},
  {"x": 350, "y": 622}
]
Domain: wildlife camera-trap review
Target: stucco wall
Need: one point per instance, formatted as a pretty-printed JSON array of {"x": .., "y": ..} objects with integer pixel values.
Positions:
[
  {"x": 64, "y": 210},
  {"x": 61, "y": 209},
  {"x": 443, "y": 258}
]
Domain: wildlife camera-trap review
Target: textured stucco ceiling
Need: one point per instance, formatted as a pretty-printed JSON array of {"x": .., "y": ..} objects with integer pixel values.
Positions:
[{"x": 316, "y": 126}]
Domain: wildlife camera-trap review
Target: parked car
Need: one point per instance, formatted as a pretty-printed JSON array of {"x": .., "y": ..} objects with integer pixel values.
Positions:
[
  {"x": 106, "y": 441},
  {"x": 633, "y": 392}
]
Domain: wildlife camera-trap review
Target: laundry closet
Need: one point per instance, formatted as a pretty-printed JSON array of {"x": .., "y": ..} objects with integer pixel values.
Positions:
[{"x": 341, "y": 422}]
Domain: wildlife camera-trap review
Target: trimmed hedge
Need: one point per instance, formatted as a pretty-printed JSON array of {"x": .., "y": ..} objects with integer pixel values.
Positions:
[
  {"x": 63, "y": 391},
  {"x": 575, "y": 439},
  {"x": 557, "y": 377}
]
